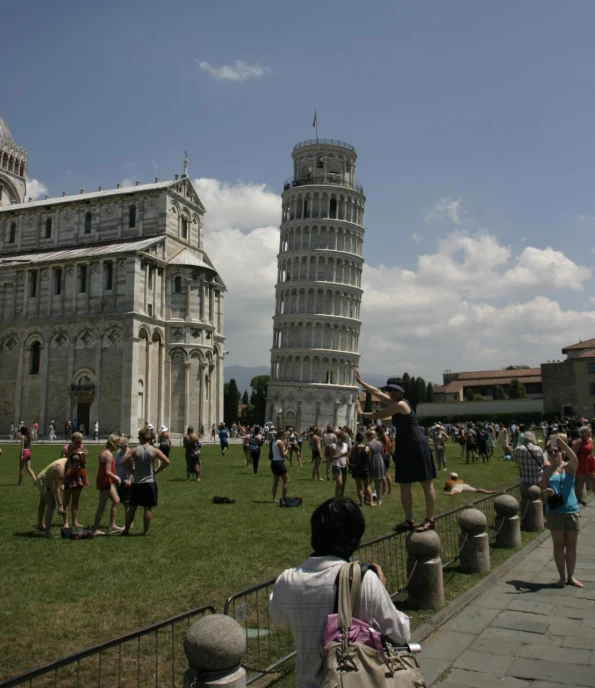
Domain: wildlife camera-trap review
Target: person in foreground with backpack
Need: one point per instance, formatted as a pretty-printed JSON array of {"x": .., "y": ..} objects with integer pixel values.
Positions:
[{"x": 305, "y": 596}]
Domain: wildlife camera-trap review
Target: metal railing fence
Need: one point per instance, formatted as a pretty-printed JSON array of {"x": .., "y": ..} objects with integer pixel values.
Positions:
[
  {"x": 151, "y": 656},
  {"x": 269, "y": 647}
]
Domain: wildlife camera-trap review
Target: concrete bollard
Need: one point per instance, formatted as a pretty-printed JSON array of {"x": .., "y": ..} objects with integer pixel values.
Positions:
[
  {"x": 474, "y": 542},
  {"x": 508, "y": 522},
  {"x": 214, "y": 646},
  {"x": 531, "y": 508},
  {"x": 426, "y": 585}
]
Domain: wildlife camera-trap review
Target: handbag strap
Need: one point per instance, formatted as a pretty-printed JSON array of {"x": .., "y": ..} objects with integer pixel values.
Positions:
[
  {"x": 534, "y": 457},
  {"x": 348, "y": 599}
]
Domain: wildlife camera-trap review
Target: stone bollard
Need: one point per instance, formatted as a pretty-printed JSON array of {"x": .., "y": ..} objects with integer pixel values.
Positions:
[
  {"x": 508, "y": 523},
  {"x": 531, "y": 508},
  {"x": 426, "y": 585},
  {"x": 214, "y": 646},
  {"x": 474, "y": 542}
]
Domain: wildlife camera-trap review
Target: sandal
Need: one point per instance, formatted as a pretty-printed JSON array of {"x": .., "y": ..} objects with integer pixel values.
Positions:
[
  {"x": 428, "y": 524},
  {"x": 404, "y": 526}
]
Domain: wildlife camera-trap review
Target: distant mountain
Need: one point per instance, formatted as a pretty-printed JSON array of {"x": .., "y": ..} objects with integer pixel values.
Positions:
[{"x": 243, "y": 374}]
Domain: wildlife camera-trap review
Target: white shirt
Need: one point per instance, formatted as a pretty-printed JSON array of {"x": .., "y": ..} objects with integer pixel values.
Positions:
[
  {"x": 303, "y": 598},
  {"x": 339, "y": 455}
]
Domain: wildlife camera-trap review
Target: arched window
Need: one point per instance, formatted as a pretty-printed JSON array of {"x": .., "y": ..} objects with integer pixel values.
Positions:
[
  {"x": 320, "y": 163},
  {"x": 177, "y": 285},
  {"x": 184, "y": 227},
  {"x": 132, "y": 216},
  {"x": 12, "y": 237},
  {"x": 48, "y": 228},
  {"x": 333, "y": 208},
  {"x": 88, "y": 220},
  {"x": 34, "y": 358}
]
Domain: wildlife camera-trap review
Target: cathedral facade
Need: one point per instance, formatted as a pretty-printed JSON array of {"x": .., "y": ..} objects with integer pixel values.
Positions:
[{"x": 110, "y": 309}]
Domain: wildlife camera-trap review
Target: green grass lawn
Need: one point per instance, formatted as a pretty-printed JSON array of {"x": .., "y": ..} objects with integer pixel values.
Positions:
[{"x": 58, "y": 596}]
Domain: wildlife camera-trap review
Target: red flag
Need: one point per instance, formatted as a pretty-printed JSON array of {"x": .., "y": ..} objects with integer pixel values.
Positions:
[{"x": 314, "y": 122}]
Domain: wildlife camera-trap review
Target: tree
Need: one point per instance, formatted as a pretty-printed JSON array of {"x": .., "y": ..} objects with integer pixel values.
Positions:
[
  {"x": 245, "y": 398},
  {"x": 258, "y": 398},
  {"x": 429, "y": 393},
  {"x": 469, "y": 394},
  {"x": 516, "y": 389},
  {"x": 499, "y": 392},
  {"x": 413, "y": 394},
  {"x": 421, "y": 390},
  {"x": 231, "y": 394},
  {"x": 406, "y": 379}
]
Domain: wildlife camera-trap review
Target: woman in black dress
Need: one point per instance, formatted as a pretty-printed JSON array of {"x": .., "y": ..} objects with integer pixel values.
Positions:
[{"x": 414, "y": 462}]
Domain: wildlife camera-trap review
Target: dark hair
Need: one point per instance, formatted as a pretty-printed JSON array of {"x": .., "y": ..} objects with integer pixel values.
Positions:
[
  {"x": 359, "y": 438},
  {"x": 337, "y": 528},
  {"x": 379, "y": 431},
  {"x": 397, "y": 381}
]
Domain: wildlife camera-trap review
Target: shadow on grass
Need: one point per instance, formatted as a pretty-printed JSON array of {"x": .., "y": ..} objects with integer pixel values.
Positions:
[
  {"x": 524, "y": 586},
  {"x": 29, "y": 534}
]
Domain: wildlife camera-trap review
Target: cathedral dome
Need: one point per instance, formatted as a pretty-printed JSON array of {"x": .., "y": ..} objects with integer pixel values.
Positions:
[{"x": 5, "y": 135}]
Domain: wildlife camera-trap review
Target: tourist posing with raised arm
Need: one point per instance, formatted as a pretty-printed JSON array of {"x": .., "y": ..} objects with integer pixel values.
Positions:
[
  {"x": 140, "y": 461},
  {"x": 562, "y": 510},
  {"x": 414, "y": 462}
]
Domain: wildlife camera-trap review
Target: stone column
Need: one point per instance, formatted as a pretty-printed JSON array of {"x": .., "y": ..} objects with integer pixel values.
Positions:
[
  {"x": 148, "y": 385},
  {"x": 214, "y": 646},
  {"x": 188, "y": 299},
  {"x": 202, "y": 417},
  {"x": 508, "y": 523},
  {"x": 18, "y": 401},
  {"x": 97, "y": 400},
  {"x": 424, "y": 570},
  {"x": 186, "y": 395},
  {"x": 203, "y": 296},
  {"x": 211, "y": 304},
  {"x": 45, "y": 371},
  {"x": 317, "y": 419},
  {"x": 474, "y": 542},
  {"x": 298, "y": 417},
  {"x": 220, "y": 326},
  {"x": 531, "y": 508},
  {"x": 163, "y": 309},
  {"x": 161, "y": 385}
]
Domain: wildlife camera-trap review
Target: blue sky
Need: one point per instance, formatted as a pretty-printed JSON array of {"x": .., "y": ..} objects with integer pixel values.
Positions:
[{"x": 473, "y": 123}]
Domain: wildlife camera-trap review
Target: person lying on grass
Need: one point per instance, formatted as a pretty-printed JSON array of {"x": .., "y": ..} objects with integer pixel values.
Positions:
[{"x": 454, "y": 486}]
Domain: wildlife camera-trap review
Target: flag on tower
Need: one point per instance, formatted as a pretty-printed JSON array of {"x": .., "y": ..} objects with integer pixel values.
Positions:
[{"x": 315, "y": 120}]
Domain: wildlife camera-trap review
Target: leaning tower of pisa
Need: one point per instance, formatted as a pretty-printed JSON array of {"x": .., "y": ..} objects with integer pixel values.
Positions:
[{"x": 316, "y": 324}]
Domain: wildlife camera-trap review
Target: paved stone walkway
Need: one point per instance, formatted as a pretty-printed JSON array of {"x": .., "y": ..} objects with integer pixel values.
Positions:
[{"x": 522, "y": 632}]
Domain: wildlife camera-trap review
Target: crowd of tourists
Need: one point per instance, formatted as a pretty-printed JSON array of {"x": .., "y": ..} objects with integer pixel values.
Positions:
[
  {"x": 124, "y": 476},
  {"x": 560, "y": 463}
]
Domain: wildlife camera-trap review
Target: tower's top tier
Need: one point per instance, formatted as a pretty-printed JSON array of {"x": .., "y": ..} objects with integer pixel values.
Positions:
[{"x": 324, "y": 161}]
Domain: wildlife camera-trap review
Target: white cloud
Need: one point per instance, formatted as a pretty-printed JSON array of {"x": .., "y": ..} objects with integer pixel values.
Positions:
[
  {"x": 472, "y": 303},
  {"x": 238, "y": 71},
  {"x": 242, "y": 240},
  {"x": 242, "y": 205},
  {"x": 447, "y": 209},
  {"x": 35, "y": 189},
  {"x": 416, "y": 238}
]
